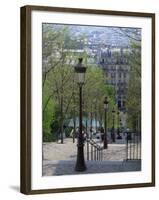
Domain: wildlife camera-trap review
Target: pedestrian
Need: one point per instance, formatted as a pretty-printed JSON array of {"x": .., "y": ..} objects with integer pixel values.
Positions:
[{"x": 102, "y": 133}]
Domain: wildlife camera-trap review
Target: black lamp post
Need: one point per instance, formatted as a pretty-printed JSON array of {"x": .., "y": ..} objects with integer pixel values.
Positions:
[
  {"x": 118, "y": 133},
  {"x": 74, "y": 117},
  {"x": 80, "y": 71},
  {"x": 95, "y": 113},
  {"x": 105, "y": 123},
  {"x": 113, "y": 131},
  {"x": 74, "y": 124}
]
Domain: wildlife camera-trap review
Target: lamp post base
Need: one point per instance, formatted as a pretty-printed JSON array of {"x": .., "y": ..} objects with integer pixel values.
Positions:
[
  {"x": 119, "y": 137},
  {"x": 80, "y": 163}
]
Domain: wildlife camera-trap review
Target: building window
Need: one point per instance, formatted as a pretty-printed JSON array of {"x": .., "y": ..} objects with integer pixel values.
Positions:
[
  {"x": 119, "y": 103},
  {"x": 112, "y": 75}
]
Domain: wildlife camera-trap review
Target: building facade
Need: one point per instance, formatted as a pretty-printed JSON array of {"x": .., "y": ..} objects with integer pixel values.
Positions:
[{"x": 114, "y": 63}]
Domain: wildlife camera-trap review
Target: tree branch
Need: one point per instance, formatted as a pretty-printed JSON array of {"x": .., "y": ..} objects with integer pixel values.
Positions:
[{"x": 47, "y": 102}]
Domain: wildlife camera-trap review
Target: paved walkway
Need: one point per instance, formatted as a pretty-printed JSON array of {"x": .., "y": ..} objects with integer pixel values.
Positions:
[
  {"x": 64, "y": 167},
  {"x": 60, "y": 159}
]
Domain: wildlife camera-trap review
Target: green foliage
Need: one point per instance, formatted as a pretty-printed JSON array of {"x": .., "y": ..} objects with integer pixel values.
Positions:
[
  {"x": 95, "y": 90},
  {"x": 48, "y": 118},
  {"x": 134, "y": 88},
  {"x": 60, "y": 92}
]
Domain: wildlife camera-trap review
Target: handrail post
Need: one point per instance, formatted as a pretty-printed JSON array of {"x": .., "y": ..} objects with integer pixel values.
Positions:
[
  {"x": 127, "y": 147},
  {"x": 91, "y": 152},
  {"x": 87, "y": 149},
  {"x": 96, "y": 151}
]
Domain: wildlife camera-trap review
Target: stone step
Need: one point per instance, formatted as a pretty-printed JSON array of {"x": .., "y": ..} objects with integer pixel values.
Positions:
[{"x": 66, "y": 167}]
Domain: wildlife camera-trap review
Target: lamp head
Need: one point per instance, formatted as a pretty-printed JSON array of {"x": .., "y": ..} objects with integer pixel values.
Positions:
[
  {"x": 106, "y": 103},
  {"x": 80, "y": 71}
]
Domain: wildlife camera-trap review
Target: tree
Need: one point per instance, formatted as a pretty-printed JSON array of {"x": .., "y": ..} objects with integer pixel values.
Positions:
[
  {"x": 61, "y": 50},
  {"x": 59, "y": 57},
  {"x": 95, "y": 91},
  {"x": 134, "y": 87}
]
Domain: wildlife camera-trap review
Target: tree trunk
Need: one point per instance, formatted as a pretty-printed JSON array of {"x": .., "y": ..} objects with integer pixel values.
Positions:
[{"x": 62, "y": 119}]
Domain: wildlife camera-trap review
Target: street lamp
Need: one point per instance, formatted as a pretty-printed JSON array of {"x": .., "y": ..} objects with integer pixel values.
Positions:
[
  {"x": 105, "y": 124},
  {"x": 118, "y": 132},
  {"x": 80, "y": 71},
  {"x": 113, "y": 131}
]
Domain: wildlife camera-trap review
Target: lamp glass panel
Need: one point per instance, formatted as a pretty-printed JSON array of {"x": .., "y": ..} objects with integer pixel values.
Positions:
[{"x": 80, "y": 77}]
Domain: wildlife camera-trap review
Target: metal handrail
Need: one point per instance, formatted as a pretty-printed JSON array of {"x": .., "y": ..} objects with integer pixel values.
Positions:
[
  {"x": 133, "y": 146},
  {"x": 94, "y": 150}
]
